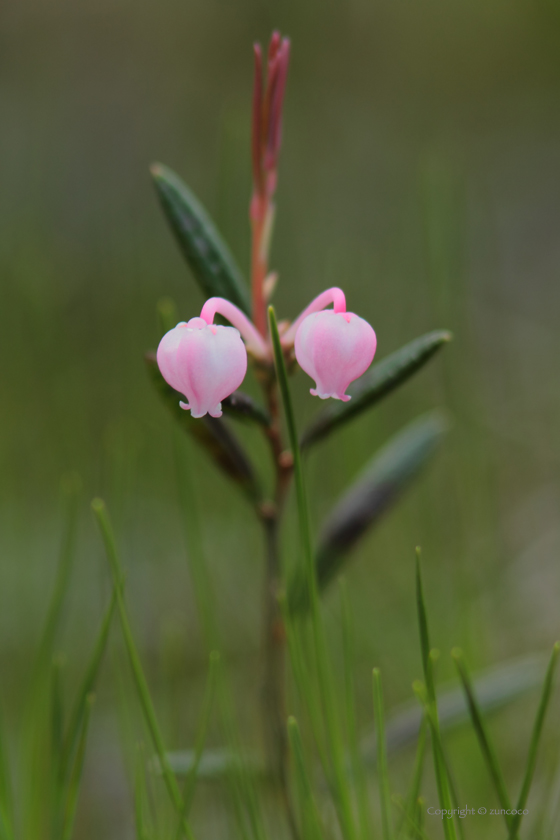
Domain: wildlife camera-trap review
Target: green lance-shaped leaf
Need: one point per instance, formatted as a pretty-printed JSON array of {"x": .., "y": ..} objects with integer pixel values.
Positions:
[
  {"x": 384, "y": 478},
  {"x": 207, "y": 254},
  {"x": 212, "y": 433},
  {"x": 378, "y": 382}
]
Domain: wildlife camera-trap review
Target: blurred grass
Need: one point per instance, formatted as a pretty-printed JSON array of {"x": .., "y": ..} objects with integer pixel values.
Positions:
[{"x": 420, "y": 171}]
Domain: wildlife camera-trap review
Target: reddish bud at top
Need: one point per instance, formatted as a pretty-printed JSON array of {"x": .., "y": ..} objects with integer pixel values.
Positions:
[{"x": 267, "y": 113}]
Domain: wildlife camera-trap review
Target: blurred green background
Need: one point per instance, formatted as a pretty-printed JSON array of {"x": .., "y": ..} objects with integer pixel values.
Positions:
[{"x": 421, "y": 172}]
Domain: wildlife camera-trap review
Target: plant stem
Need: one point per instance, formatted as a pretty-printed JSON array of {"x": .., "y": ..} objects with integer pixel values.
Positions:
[
  {"x": 274, "y": 633},
  {"x": 261, "y": 221}
]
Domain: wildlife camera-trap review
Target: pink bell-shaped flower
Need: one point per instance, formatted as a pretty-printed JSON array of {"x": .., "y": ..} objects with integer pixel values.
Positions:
[
  {"x": 205, "y": 362},
  {"x": 333, "y": 346}
]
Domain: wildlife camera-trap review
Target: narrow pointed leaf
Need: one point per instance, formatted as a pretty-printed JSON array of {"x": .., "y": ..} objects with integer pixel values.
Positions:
[
  {"x": 377, "y": 383},
  {"x": 208, "y": 256},
  {"x": 479, "y": 726},
  {"x": 535, "y": 741},
  {"x": 212, "y": 433},
  {"x": 383, "y": 480}
]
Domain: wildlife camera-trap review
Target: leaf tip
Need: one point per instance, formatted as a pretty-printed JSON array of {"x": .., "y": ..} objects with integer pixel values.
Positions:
[
  {"x": 156, "y": 170},
  {"x": 98, "y": 505}
]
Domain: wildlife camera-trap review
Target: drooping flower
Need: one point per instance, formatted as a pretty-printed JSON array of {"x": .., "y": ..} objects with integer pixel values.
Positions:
[
  {"x": 205, "y": 361},
  {"x": 333, "y": 346}
]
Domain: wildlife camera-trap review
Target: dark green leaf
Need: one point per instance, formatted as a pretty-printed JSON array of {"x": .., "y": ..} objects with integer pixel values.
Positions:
[
  {"x": 212, "y": 433},
  {"x": 207, "y": 254},
  {"x": 377, "y": 383},
  {"x": 382, "y": 481},
  {"x": 243, "y": 407}
]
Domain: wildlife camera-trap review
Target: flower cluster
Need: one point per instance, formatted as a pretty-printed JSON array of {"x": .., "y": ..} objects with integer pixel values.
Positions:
[{"x": 207, "y": 362}]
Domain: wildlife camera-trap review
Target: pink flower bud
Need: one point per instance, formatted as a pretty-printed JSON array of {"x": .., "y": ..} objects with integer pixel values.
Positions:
[
  {"x": 203, "y": 361},
  {"x": 334, "y": 348}
]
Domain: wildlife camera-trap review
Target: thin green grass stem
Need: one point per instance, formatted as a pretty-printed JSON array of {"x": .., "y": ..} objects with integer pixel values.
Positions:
[
  {"x": 309, "y": 815},
  {"x": 412, "y": 798},
  {"x": 86, "y": 687},
  {"x": 71, "y": 488},
  {"x": 76, "y": 775},
  {"x": 341, "y": 791},
  {"x": 411, "y": 825},
  {"x": 427, "y": 696},
  {"x": 486, "y": 746},
  {"x": 101, "y": 515},
  {"x": 382, "y": 766},
  {"x": 535, "y": 740},
  {"x": 358, "y": 765}
]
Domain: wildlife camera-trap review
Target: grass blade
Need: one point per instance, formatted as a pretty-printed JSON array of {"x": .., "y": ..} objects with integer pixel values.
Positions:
[
  {"x": 427, "y": 696},
  {"x": 495, "y": 687},
  {"x": 382, "y": 769},
  {"x": 358, "y": 766},
  {"x": 76, "y": 776},
  {"x": 208, "y": 256},
  {"x": 140, "y": 797},
  {"x": 378, "y": 382},
  {"x": 143, "y": 692},
  {"x": 410, "y": 806},
  {"x": 86, "y": 688},
  {"x": 71, "y": 487},
  {"x": 479, "y": 726},
  {"x": 535, "y": 740},
  {"x": 309, "y": 815}
]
